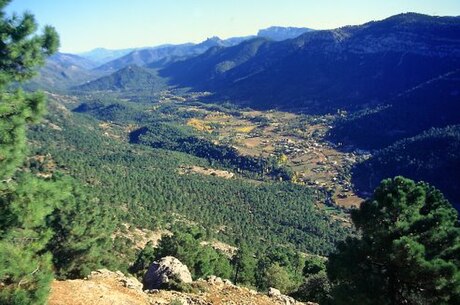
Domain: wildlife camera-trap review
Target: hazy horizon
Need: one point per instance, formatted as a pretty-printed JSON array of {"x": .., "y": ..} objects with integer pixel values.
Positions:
[{"x": 116, "y": 24}]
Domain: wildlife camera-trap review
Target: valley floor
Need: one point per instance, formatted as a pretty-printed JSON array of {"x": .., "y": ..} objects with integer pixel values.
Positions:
[{"x": 298, "y": 140}]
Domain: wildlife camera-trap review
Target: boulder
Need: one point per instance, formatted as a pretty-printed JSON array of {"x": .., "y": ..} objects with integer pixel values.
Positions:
[
  {"x": 273, "y": 292},
  {"x": 165, "y": 270}
]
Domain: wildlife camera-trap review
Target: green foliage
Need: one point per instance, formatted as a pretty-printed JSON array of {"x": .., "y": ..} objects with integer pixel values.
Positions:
[
  {"x": 408, "y": 252},
  {"x": 39, "y": 216},
  {"x": 23, "y": 50},
  {"x": 410, "y": 114},
  {"x": 144, "y": 188},
  {"x": 286, "y": 260},
  {"x": 82, "y": 228},
  {"x": 279, "y": 278},
  {"x": 16, "y": 111},
  {"x": 130, "y": 78},
  {"x": 211, "y": 262},
  {"x": 171, "y": 137},
  {"x": 144, "y": 259},
  {"x": 202, "y": 261},
  {"x": 25, "y": 201},
  {"x": 433, "y": 157},
  {"x": 315, "y": 288},
  {"x": 25, "y": 268},
  {"x": 177, "y": 285},
  {"x": 244, "y": 266},
  {"x": 313, "y": 265}
]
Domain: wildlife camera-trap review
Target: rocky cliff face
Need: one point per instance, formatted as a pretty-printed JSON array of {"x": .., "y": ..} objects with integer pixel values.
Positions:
[{"x": 104, "y": 287}]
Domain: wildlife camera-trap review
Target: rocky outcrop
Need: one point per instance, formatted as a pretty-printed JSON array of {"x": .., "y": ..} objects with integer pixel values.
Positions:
[
  {"x": 126, "y": 281},
  {"x": 104, "y": 287},
  {"x": 164, "y": 271},
  {"x": 280, "y": 298}
]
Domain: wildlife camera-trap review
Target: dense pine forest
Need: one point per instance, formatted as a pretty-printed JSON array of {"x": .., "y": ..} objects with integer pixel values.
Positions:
[{"x": 309, "y": 199}]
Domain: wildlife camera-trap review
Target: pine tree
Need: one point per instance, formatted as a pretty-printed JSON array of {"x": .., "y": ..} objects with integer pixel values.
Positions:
[
  {"x": 21, "y": 53},
  {"x": 244, "y": 265},
  {"x": 25, "y": 269},
  {"x": 81, "y": 232},
  {"x": 408, "y": 253},
  {"x": 25, "y": 201},
  {"x": 143, "y": 261}
]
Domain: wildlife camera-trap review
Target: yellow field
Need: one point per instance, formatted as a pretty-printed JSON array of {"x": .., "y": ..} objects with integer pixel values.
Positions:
[
  {"x": 199, "y": 125},
  {"x": 245, "y": 129}
]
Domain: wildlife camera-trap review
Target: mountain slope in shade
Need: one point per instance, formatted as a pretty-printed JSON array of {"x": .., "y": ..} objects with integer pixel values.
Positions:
[
  {"x": 433, "y": 156},
  {"x": 279, "y": 33},
  {"x": 435, "y": 103},
  {"x": 322, "y": 71},
  {"x": 129, "y": 78}
]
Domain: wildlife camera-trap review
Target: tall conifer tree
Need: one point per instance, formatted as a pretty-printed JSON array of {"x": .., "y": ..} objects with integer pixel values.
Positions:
[
  {"x": 25, "y": 201},
  {"x": 408, "y": 253}
]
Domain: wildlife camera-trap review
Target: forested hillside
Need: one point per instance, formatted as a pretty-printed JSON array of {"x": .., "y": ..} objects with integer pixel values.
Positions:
[
  {"x": 147, "y": 187},
  {"x": 129, "y": 78},
  {"x": 432, "y": 156},
  {"x": 435, "y": 103}
]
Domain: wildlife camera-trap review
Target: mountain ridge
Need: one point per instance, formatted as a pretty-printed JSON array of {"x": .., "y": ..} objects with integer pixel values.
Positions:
[
  {"x": 279, "y": 33},
  {"x": 346, "y": 66},
  {"x": 61, "y": 71},
  {"x": 158, "y": 53}
]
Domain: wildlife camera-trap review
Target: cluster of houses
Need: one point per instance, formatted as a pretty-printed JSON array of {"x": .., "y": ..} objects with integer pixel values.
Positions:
[{"x": 321, "y": 164}]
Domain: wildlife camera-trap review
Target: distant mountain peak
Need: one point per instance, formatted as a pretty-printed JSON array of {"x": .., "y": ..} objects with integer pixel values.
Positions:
[
  {"x": 279, "y": 33},
  {"x": 410, "y": 16},
  {"x": 213, "y": 38},
  {"x": 212, "y": 42}
]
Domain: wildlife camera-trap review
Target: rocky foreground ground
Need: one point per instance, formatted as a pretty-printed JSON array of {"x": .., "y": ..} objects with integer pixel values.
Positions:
[{"x": 104, "y": 287}]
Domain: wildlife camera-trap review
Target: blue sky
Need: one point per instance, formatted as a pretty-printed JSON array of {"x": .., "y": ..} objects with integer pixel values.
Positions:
[{"x": 115, "y": 24}]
